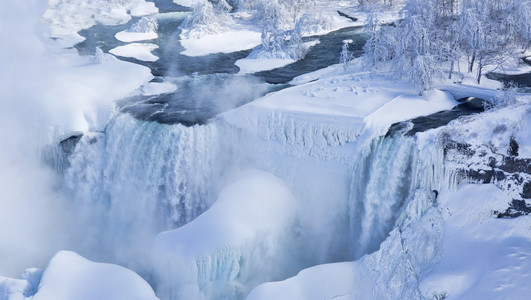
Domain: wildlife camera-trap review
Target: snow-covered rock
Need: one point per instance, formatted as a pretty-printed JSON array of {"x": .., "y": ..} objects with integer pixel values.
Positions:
[
  {"x": 140, "y": 51},
  {"x": 70, "y": 276}
]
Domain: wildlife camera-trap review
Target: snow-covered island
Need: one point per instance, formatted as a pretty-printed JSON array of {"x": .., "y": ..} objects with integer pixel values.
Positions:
[{"x": 265, "y": 149}]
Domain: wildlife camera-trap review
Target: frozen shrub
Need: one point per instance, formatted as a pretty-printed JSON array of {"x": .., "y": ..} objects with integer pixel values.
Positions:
[
  {"x": 208, "y": 18},
  {"x": 145, "y": 24}
]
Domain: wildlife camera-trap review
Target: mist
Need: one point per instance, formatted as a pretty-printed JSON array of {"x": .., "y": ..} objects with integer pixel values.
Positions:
[{"x": 33, "y": 214}]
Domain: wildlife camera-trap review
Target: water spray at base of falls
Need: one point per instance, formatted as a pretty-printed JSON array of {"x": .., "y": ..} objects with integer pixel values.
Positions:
[{"x": 137, "y": 179}]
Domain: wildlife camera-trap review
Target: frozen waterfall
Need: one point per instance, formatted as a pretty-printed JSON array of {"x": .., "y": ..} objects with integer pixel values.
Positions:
[{"x": 139, "y": 178}]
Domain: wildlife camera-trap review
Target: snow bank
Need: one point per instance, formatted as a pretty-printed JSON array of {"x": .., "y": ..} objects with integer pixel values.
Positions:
[
  {"x": 216, "y": 254},
  {"x": 330, "y": 281},
  {"x": 483, "y": 257},
  {"x": 187, "y": 3},
  {"x": 144, "y": 29},
  {"x": 140, "y": 51},
  {"x": 218, "y": 43},
  {"x": 347, "y": 106},
  {"x": 70, "y": 276},
  {"x": 127, "y": 36},
  {"x": 157, "y": 88},
  {"x": 88, "y": 90},
  {"x": 258, "y": 61},
  {"x": 405, "y": 107},
  {"x": 243, "y": 35},
  {"x": 253, "y": 65},
  {"x": 67, "y": 17},
  {"x": 19, "y": 289}
]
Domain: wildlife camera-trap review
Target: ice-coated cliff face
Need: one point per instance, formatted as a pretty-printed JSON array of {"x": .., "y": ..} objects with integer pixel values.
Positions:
[{"x": 447, "y": 228}]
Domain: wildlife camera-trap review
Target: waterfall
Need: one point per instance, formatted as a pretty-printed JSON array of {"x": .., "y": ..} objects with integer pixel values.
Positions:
[
  {"x": 394, "y": 178},
  {"x": 139, "y": 178}
]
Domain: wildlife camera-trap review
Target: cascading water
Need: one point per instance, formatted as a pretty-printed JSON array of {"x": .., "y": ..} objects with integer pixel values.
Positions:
[
  {"x": 380, "y": 185},
  {"x": 139, "y": 178}
]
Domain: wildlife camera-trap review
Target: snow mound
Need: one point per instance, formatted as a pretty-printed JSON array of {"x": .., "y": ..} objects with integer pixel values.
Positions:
[
  {"x": 217, "y": 43},
  {"x": 70, "y": 276},
  {"x": 258, "y": 61},
  {"x": 253, "y": 65},
  {"x": 83, "y": 90},
  {"x": 213, "y": 255},
  {"x": 157, "y": 88},
  {"x": 187, "y": 3},
  {"x": 144, "y": 29},
  {"x": 128, "y": 37},
  {"x": 140, "y": 51},
  {"x": 329, "y": 281}
]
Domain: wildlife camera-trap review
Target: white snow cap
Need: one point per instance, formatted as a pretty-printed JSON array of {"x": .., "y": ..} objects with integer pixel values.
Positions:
[{"x": 70, "y": 276}]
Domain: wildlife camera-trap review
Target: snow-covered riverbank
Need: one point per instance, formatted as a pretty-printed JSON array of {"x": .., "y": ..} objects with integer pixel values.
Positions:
[{"x": 220, "y": 185}]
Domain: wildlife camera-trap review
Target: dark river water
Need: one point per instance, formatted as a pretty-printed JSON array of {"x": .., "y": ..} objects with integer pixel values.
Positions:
[{"x": 207, "y": 85}]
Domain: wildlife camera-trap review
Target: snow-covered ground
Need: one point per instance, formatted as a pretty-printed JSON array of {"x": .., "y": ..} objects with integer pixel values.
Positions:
[
  {"x": 157, "y": 88},
  {"x": 127, "y": 37},
  {"x": 87, "y": 87},
  {"x": 245, "y": 34},
  {"x": 70, "y": 276},
  {"x": 67, "y": 17},
  {"x": 240, "y": 39},
  {"x": 258, "y": 61},
  {"x": 476, "y": 256},
  {"x": 366, "y": 103},
  {"x": 140, "y": 51}
]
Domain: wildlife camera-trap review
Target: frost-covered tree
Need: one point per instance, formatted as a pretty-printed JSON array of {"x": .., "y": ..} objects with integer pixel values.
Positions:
[
  {"x": 434, "y": 35},
  {"x": 380, "y": 47},
  {"x": 373, "y": 3},
  {"x": 410, "y": 49},
  {"x": 346, "y": 56},
  {"x": 492, "y": 30},
  {"x": 145, "y": 24},
  {"x": 284, "y": 23},
  {"x": 208, "y": 17}
]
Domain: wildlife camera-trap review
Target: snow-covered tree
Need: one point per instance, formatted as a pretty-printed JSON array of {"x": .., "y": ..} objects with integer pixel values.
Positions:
[
  {"x": 345, "y": 57},
  {"x": 208, "y": 17},
  {"x": 434, "y": 35},
  {"x": 145, "y": 24}
]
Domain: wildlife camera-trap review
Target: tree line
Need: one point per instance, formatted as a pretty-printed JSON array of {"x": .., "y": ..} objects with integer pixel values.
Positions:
[{"x": 435, "y": 37}]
